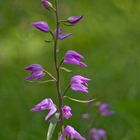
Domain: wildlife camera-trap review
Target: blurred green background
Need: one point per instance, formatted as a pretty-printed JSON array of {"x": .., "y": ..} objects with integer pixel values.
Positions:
[{"x": 108, "y": 37}]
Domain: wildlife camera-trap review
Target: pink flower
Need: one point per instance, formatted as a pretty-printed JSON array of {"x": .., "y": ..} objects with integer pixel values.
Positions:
[
  {"x": 46, "y": 104},
  {"x": 104, "y": 109},
  {"x": 97, "y": 134},
  {"x": 74, "y": 19},
  {"x": 61, "y": 36},
  {"x": 66, "y": 112},
  {"x": 72, "y": 57},
  {"x": 79, "y": 83},
  {"x": 46, "y": 4},
  {"x": 42, "y": 26},
  {"x": 72, "y": 133},
  {"x": 37, "y": 72}
]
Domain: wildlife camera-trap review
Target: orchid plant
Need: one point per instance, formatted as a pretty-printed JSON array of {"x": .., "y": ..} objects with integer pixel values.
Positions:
[{"x": 77, "y": 82}]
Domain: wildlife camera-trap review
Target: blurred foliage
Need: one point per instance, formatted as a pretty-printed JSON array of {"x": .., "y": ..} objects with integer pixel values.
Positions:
[{"x": 108, "y": 37}]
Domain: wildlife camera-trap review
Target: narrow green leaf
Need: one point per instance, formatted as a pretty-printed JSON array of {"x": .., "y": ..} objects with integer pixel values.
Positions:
[
  {"x": 49, "y": 41},
  {"x": 79, "y": 101},
  {"x": 65, "y": 69},
  {"x": 45, "y": 81},
  {"x": 53, "y": 123}
]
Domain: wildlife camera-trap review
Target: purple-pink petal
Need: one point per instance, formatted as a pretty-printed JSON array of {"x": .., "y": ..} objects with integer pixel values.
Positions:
[
  {"x": 104, "y": 109},
  {"x": 62, "y": 137},
  {"x": 97, "y": 134},
  {"x": 72, "y": 133},
  {"x": 74, "y": 19},
  {"x": 72, "y": 57},
  {"x": 42, "y": 26},
  {"x": 72, "y": 53},
  {"x": 33, "y": 67},
  {"x": 79, "y": 79},
  {"x": 79, "y": 87},
  {"x": 79, "y": 83},
  {"x": 51, "y": 112},
  {"x": 43, "y": 105},
  {"x": 46, "y": 104},
  {"x": 74, "y": 61},
  {"x": 101, "y": 132},
  {"x": 45, "y": 3},
  {"x": 66, "y": 112},
  {"x": 37, "y": 72},
  {"x": 61, "y": 36}
]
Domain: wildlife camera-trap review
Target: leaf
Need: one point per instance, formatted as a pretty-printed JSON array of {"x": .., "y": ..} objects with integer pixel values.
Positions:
[
  {"x": 49, "y": 41},
  {"x": 53, "y": 123},
  {"x": 45, "y": 81},
  {"x": 65, "y": 69},
  {"x": 79, "y": 101}
]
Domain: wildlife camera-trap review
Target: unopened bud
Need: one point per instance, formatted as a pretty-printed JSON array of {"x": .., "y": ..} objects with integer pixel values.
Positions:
[
  {"x": 74, "y": 19},
  {"x": 47, "y": 4}
]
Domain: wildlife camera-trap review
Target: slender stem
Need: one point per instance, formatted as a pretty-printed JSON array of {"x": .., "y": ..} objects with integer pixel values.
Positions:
[{"x": 57, "y": 69}]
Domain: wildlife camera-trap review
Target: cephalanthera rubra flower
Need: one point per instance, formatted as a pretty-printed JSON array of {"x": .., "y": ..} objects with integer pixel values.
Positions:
[
  {"x": 61, "y": 36},
  {"x": 97, "y": 134},
  {"x": 72, "y": 133},
  {"x": 46, "y": 104},
  {"x": 79, "y": 83},
  {"x": 74, "y": 19},
  {"x": 42, "y": 26},
  {"x": 46, "y": 4},
  {"x": 72, "y": 57},
  {"x": 104, "y": 109},
  {"x": 66, "y": 112},
  {"x": 37, "y": 72}
]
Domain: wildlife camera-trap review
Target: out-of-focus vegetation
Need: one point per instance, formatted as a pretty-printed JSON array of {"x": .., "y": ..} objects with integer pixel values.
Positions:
[{"x": 108, "y": 37}]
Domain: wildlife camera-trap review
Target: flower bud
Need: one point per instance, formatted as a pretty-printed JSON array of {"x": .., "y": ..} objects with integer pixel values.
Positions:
[
  {"x": 46, "y": 4},
  {"x": 42, "y": 26},
  {"x": 74, "y": 19}
]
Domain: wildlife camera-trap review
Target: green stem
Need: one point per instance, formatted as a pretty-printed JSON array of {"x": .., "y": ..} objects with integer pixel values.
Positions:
[{"x": 57, "y": 69}]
